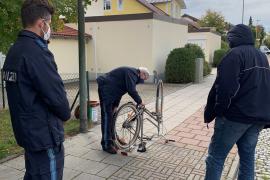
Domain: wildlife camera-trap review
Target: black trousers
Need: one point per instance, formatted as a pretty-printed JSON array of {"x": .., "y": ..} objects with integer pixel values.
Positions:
[
  {"x": 108, "y": 104},
  {"x": 45, "y": 165}
]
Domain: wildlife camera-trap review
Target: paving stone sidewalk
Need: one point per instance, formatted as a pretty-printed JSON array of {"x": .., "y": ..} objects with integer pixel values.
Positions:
[
  {"x": 183, "y": 159},
  {"x": 263, "y": 156}
]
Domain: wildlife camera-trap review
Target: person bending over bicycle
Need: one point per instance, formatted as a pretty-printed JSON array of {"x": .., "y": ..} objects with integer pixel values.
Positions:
[{"x": 111, "y": 87}]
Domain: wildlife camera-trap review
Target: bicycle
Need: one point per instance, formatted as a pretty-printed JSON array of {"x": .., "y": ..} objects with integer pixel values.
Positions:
[{"x": 129, "y": 122}]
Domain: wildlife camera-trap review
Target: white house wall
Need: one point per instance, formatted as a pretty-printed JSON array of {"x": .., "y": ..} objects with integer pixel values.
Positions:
[
  {"x": 66, "y": 56},
  {"x": 208, "y": 41},
  {"x": 120, "y": 43},
  {"x": 95, "y": 9},
  {"x": 214, "y": 45},
  {"x": 132, "y": 43},
  {"x": 166, "y": 37}
]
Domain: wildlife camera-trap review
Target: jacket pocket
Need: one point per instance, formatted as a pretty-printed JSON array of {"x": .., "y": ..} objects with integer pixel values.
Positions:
[
  {"x": 36, "y": 130},
  {"x": 56, "y": 128}
]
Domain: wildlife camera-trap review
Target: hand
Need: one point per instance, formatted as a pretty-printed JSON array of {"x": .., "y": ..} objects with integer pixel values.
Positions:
[
  {"x": 114, "y": 110},
  {"x": 209, "y": 115},
  {"x": 142, "y": 105}
]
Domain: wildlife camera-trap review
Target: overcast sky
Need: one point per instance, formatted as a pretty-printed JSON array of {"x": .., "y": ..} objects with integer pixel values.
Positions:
[{"x": 232, "y": 10}]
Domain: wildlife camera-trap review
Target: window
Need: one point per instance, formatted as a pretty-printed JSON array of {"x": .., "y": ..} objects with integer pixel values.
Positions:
[
  {"x": 120, "y": 5},
  {"x": 107, "y": 5}
]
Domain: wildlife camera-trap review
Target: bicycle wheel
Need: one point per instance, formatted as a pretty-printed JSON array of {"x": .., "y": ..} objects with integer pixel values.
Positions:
[
  {"x": 159, "y": 99},
  {"x": 127, "y": 126}
]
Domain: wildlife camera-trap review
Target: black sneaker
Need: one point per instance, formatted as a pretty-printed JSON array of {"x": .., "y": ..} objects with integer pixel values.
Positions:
[{"x": 110, "y": 150}]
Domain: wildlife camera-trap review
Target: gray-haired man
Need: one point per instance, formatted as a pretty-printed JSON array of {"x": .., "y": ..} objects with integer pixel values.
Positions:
[{"x": 111, "y": 87}]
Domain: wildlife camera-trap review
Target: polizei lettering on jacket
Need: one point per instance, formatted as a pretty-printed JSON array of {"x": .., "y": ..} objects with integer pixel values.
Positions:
[{"x": 10, "y": 76}]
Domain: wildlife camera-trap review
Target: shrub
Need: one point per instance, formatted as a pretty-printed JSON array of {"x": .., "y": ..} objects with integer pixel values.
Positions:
[
  {"x": 207, "y": 68},
  {"x": 197, "y": 50},
  {"x": 225, "y": 45},
  {"x": 218, "y": 55},
  {"x": 200, "y": 54},
  {"x": 180, "y": 65}
]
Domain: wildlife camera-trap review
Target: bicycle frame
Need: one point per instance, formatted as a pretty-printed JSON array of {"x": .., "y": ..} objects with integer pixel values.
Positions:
[{"x": 156, "y": 117}]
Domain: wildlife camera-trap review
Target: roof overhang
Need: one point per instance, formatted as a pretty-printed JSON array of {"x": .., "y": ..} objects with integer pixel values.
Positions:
[
  {"x": 129, "y": 17},
  {"x": 181, "y": 2},
  {"x": 68, "y": 33},
  {"x": 151, "y": 7}
]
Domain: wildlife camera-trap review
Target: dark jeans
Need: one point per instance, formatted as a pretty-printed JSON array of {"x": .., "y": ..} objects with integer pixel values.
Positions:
[
  {"x": 108, "y": 104},
  {"x": 45, "y": 165},
  {"x": 226, "y": 134}
]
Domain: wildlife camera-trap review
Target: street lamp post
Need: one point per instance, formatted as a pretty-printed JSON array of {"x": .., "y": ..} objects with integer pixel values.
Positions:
[
  {"x": 243, "y": 11},
  {"x": 82, "y": 69}
]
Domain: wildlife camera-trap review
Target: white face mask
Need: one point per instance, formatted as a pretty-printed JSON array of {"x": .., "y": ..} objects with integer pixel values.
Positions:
[{"x": 47, "y": 35}]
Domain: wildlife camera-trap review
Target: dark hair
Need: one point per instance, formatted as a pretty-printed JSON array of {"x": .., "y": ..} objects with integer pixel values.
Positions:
[{"x": 32, "y": 10}]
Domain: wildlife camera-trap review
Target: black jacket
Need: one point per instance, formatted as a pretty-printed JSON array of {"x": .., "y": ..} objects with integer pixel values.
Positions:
[
  {"x": 241, "y": 91},
  {"x": 36, "y": 96},
  {"x": 121, "y": 81}
]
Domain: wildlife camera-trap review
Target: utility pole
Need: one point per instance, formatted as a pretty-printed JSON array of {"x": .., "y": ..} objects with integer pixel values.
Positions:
[
  {"x": 82, "y": 69},
  {"x": 243, "y": 11}
]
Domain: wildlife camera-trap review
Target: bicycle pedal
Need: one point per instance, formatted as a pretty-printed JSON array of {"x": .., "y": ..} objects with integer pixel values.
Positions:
[{"x": 142, "y": 147}]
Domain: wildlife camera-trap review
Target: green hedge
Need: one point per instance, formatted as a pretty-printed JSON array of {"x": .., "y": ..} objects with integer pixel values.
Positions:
[
  {"x": 207, "y": 68},
  {"x": 180, "y": 65},
  {"x": 196, "y": 50},
  {"x": 218, "y": 55},
  {"x": 225, "y": 45}
]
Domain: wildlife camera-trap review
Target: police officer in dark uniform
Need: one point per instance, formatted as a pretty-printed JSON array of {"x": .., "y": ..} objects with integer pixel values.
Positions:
[
  {"x": 36, "y": 96},
  {"x": 111, "y": 87}
]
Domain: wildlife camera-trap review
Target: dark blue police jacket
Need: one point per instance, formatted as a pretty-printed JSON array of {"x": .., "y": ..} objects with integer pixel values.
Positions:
[
  {"x": 36, "y": 96},
  {"x": 241, "y": 91},
  {"x": 120, "y": 81}
]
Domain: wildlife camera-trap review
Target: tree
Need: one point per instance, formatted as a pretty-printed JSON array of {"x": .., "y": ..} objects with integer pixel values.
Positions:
[
  {"x": 261, "y": 34},
  {"x": 253, "y": 29},
  {"x": 11, "y": 22},
  {"x": 213, "y": 19},
  {"x": 250, "y": 24}
]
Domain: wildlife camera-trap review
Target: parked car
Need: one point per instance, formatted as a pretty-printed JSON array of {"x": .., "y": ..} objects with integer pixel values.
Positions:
[{"x": 265, "y": 50}]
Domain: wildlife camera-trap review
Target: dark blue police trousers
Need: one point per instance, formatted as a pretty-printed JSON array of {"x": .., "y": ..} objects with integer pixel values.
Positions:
[
  {"x": 107, "y": 104},
  {"x": 45, "y": 165}
]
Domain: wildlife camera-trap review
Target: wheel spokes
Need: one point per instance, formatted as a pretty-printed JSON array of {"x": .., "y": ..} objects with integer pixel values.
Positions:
[{"x": 125, "y": 126}]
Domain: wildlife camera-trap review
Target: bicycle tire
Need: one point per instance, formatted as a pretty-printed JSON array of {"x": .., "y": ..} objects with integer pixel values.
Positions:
[{"x": 131, "y": 111}]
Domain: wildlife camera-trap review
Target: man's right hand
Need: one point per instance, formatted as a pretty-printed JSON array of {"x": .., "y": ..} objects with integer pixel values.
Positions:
[{"x": 142, "y": 105}]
